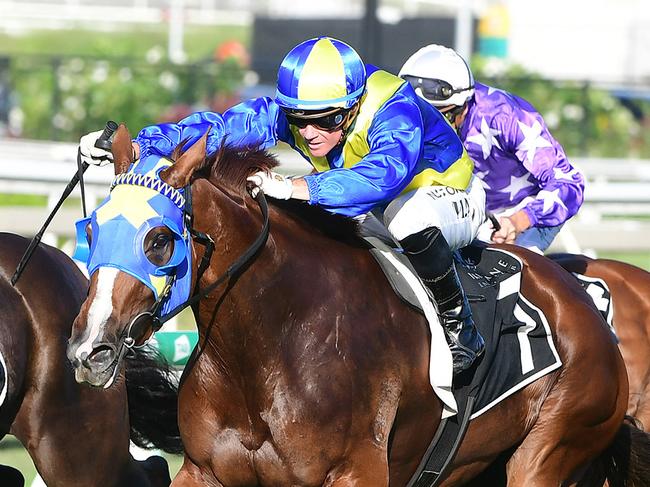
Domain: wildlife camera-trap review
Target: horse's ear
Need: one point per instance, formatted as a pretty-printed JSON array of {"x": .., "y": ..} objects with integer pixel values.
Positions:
[
  {"x": 178, "y": 174},
  {"x": 122, "y": 150}
]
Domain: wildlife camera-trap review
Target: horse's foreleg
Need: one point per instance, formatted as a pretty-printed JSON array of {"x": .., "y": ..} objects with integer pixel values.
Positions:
[
  {"x": 640, "y": 409},
  {"x": 190, "y": 475}
]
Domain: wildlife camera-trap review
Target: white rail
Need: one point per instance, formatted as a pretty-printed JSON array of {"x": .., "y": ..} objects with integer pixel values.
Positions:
[{"x": 616, "y": 187}]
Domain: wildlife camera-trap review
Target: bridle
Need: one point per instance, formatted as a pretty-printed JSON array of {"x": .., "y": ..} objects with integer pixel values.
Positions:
[{"x": 152, "y": 315}]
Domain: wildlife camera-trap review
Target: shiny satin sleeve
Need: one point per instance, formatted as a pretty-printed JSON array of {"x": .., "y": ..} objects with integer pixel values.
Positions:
[
  {"x": 253, "y": 123},
  {"x": 559, "y": 186}
]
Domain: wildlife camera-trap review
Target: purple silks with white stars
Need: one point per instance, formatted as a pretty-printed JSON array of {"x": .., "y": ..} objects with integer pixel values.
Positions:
[{"x": 518, "y": 160}]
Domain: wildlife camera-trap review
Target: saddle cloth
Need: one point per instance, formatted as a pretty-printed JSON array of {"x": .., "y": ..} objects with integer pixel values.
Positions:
[
  {"x": 519, "y": 346},
  {"x": 599, "y": 292},
  {"x": 3, "y": 379}
]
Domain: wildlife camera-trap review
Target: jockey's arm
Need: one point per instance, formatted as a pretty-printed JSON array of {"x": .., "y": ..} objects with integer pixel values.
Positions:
[
  {"x": 300, "y": 189},
  {"x": 252, "y": 123},
  {"x": 378, "y": 177},
  {"x": 560, "y": 185}
]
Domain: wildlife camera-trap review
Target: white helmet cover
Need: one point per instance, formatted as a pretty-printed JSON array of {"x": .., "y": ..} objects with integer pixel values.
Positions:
[{"x": 437, "y": 62}]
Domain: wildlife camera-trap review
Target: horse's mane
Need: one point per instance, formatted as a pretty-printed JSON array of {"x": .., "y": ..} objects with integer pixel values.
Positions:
[{"x": 231, "y": 166}]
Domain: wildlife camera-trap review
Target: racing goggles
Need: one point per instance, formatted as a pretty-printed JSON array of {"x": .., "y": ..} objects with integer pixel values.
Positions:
[
  {"x": 434, "y": 89},
  {"x": 330, "y": 120}
]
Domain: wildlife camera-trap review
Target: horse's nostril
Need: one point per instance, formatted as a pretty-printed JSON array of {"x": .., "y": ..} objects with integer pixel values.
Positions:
[{"x": 101, "y": 359}]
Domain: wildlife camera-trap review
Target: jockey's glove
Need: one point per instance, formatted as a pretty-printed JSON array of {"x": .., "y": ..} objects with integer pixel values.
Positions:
[
  {"x": 91, "y": 154},
  {"x": 272, "y": 184}
]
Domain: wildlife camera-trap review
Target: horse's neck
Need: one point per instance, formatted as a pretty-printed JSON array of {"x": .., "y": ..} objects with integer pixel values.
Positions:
[
  {"x": 247, "y": 313},
  {"x": 277, "y": 302}
]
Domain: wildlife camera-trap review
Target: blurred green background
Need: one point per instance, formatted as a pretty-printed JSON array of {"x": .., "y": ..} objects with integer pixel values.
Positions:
[{"x": 69, "y": 82}]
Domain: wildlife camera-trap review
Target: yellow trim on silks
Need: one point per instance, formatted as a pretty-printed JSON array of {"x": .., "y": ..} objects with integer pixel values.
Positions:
[
  {"x": 323, "y": 75},
  {"x": 457, "y": 176},
  {"x": 381, "y": 86}
]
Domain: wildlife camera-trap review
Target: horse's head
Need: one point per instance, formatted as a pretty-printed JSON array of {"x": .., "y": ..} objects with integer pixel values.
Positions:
[{"x": 138, "y": 252}]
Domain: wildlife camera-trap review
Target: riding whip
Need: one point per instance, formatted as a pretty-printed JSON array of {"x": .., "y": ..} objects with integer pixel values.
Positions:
[{"x": 103, "y": 142}]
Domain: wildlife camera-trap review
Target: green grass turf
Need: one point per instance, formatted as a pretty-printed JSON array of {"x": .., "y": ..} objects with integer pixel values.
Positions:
[{"x": 639, "y": 259}]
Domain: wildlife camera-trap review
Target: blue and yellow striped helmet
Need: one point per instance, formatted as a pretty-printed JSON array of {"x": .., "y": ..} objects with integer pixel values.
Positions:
[{"x": 320, "y": 73}]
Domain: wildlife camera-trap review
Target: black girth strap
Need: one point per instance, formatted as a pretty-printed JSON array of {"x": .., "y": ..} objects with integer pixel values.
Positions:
[{"x": 443, "y": 447}]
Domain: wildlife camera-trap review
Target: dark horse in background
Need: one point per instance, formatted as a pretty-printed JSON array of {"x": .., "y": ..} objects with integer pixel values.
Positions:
[
  {"x": 76, "y": 436},
  {"x": 630, "y": 290},
  {"x": 311, "y": 371}
]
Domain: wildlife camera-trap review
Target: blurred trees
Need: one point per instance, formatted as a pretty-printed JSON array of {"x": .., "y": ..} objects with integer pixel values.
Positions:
[
  {"x": 62, "y": 97},
  {"x": 586, "y": 120},
  {"x": 67, "y": 82}
]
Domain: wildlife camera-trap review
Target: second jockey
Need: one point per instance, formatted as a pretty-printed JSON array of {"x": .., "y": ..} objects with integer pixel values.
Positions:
[
  {"x": 374, "y": 146},
  {"x": 529, "y": 182}
]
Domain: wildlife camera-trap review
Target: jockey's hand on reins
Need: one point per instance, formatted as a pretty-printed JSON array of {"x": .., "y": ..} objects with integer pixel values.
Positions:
[
  {"x": 272, "y": 184},
  {"x": 95, "y": 147}
]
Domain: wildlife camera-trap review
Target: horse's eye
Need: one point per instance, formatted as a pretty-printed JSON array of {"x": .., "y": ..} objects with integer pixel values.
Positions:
[
  {"x": 159, "y": 246},
  {"x": 160, "y": 241}
]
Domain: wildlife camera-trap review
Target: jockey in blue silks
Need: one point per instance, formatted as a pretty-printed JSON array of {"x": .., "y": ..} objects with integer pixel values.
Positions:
[{"x": 374, "y": 145}]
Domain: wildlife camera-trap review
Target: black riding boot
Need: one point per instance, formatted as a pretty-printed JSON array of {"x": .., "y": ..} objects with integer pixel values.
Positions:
[{"x": 430, "y": 255}]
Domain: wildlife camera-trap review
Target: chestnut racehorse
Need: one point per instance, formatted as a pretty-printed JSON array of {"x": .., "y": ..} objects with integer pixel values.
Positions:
[
  {"x": 311, "y": 371},
  {"x": 75, "y": 435},
  {"x": 630, "y": 290}
]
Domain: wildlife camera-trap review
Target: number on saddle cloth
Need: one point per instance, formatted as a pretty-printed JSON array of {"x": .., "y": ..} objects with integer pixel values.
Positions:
[
  {"x": 599, "y": 292},
  {"x": 519, "y": 344}
]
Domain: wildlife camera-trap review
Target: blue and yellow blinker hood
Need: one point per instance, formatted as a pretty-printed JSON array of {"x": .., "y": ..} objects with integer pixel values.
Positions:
[{"x": 138, "y": 202}]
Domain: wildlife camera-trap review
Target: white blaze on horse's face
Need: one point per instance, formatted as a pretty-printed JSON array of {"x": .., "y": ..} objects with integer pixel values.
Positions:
[{"x": 100, "y": 310}]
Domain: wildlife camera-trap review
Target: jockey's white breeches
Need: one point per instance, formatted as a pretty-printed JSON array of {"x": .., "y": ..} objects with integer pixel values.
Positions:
[{"x": 457, "y": 213}]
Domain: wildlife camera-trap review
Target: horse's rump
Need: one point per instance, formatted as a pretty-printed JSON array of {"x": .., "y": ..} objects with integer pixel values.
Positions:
[{"x": 629, "y": 286}]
